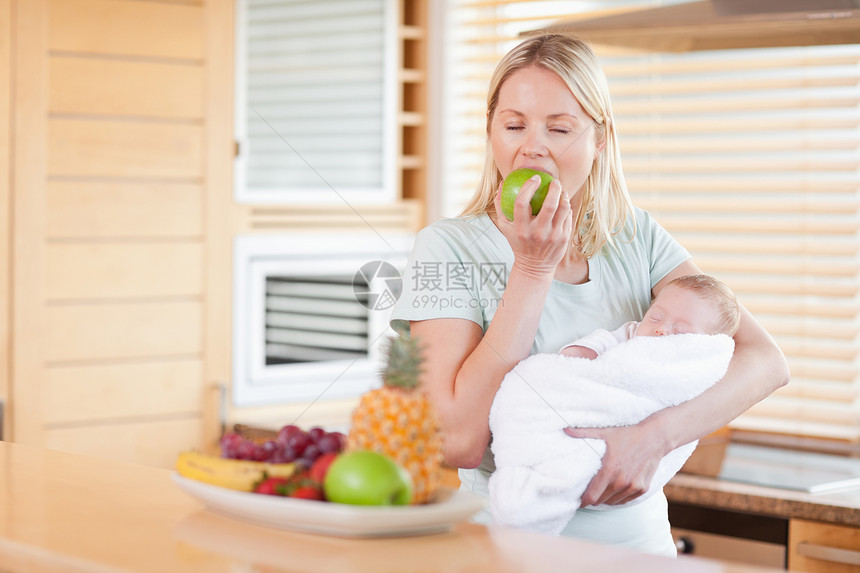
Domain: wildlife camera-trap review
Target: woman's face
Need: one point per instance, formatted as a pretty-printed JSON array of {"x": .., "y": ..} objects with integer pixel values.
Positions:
[{"x": 539, "y": 124}]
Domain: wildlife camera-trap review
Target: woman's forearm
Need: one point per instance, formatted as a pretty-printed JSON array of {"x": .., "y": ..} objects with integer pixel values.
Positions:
[
  {"x": 463, "y": 384},
  {"x": 757, "y": 369}
]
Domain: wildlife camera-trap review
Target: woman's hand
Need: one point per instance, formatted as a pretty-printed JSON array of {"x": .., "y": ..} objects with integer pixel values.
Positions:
[
  {"x": 540, "y": 242},
  {"x": 630, "y": 462}
]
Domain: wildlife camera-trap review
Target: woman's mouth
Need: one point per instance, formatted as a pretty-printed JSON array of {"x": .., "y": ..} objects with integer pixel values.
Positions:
[{"x": 537, "y": 168}]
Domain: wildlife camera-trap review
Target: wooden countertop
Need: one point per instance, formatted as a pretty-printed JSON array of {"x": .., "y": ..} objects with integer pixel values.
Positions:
[
  {"x": 840, "y": 508},
  {"x": 70, "y": 513}
]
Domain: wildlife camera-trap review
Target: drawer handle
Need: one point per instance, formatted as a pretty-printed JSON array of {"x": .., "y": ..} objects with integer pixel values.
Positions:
[
  {"x": 685, "y": 545},
  {"x": 832, "y": 554}
]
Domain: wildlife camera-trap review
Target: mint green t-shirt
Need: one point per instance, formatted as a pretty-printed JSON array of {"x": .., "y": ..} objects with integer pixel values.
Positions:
[{"x": 458, "y": 269}]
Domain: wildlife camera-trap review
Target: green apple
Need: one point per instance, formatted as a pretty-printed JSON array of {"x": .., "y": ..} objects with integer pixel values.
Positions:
[
  {"x": 511, "y": 188},
  {"x": 367, "y": 478}
]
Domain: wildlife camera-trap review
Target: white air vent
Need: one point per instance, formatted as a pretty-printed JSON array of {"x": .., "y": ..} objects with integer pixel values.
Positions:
[
  {"x": 308, "y": 317},
  {"x": 312, "y": 319}
]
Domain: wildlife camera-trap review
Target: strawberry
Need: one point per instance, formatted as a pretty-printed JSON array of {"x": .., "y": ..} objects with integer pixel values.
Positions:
[
  {"x": 299, "y": 485},
  {"x": 272, "y": 486},
  {"x": 320, "y": 467},
  {"x": 308, "y": 492}
]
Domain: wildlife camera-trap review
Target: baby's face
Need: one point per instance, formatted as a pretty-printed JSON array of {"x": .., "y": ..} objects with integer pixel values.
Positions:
[{"x": 679, "y": 311}]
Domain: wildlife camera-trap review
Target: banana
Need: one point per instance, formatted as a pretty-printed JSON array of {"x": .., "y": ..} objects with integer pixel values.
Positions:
[{"x": 232, "y": 474}]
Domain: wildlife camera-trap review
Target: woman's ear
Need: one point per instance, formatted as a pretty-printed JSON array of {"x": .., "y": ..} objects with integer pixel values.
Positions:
[{"x": 601, "y": 145}]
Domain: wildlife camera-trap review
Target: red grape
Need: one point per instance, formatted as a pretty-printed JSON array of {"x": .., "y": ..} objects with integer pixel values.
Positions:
[
  {"x": 271, "y": 447},
  {"x": 229, "y": 442},
  {"x": 291, "y": 445},
  {"x": 329, "y": 443},
  {"x": 245, "y": 451},
  {"x": 316, "y": 433},
  {"x": 311, "y": 453},
  {"x": 298, "y": 441},
  {"x": 287, "y": 431}
]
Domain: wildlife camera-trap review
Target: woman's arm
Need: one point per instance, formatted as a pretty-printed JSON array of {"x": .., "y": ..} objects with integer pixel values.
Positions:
[
  {"x": 758, "y": 367},
  {"x": 465, "y": 369}
]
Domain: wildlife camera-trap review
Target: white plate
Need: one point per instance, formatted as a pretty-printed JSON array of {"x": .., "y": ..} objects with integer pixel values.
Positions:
[{"x": 336, "y": 518}]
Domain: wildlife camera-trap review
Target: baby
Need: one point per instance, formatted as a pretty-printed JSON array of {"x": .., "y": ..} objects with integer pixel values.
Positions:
[
  {"x": 541, "y": 473},
  {"x": 692, "y": 304}
]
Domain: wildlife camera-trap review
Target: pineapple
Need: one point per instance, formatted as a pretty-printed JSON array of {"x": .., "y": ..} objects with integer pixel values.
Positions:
[{"x": 398, "y": 420}]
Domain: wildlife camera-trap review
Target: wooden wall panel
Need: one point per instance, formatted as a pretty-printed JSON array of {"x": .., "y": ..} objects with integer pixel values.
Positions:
[
  {"x": 129, "y": 28},
  {"x": 30, "y": 121},
  {"x": 5, "y": 204},
  {"x": 101, "y": 148},
  {"x": 111, "y": 270},
  {"x": 111, "y": 232},
  {"x": 139, "y": 442},
  {"x": 108, "y": 392},
  {"x": 132, "y": 88},
  {"x": 99, "y": 209},
  {"x": 111, "y": 331}
]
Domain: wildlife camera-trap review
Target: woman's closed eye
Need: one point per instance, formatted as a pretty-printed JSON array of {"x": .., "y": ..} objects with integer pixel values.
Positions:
[{"x": 553, "y": 130}]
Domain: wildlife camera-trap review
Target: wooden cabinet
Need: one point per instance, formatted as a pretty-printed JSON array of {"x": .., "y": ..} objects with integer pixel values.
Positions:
[
  {"x": 119, "y": 158},
  {"x": 822, "y": 547},
  {"x": 117, "y": 219}
]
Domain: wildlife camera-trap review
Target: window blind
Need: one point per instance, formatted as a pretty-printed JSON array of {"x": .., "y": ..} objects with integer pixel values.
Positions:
[
  {"x": 748, "y": 157},
  {"x": 315, "y": 100}
]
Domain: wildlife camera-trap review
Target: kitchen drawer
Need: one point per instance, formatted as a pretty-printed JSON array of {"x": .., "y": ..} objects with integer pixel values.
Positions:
[
  {"x": 729, "y": 535},
  {"x": 728, "y": 548},
  {"x": 822, "y": 547}
]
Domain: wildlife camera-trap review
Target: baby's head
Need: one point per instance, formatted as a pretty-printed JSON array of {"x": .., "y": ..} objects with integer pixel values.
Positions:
[{"x": 692, "y": 304}]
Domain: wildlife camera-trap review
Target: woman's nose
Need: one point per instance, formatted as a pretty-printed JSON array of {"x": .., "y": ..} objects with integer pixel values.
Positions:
[{"x": 534, "y": 145}]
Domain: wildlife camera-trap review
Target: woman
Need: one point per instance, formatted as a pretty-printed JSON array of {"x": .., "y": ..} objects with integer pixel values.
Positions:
[{"x": 483, "y": 292}]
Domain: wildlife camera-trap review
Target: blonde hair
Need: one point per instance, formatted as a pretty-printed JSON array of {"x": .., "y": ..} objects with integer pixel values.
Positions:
[
  {"x": 712, "y": 290},
  {"x": 606, "y": 204}
]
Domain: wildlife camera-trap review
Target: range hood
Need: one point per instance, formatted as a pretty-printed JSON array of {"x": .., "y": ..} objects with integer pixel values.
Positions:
[{"x": 723, "y": 24}]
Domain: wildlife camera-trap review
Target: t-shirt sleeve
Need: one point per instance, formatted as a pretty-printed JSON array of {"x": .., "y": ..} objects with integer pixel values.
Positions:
[
  {"x": 435, "y": 281},
  {"x": 665, "y": 253},
  {"x": 602, "y": 340}
]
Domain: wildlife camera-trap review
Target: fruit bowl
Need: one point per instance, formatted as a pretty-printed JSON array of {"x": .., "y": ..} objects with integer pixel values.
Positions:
[{"x": 336, "y": 519}]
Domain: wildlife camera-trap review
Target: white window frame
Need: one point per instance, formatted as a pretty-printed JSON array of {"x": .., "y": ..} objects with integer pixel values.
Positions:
[{"x": 387, "y": 193}]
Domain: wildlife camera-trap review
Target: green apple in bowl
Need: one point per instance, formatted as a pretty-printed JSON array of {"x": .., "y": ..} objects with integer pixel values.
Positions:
[
  {"x": 514, "y": 182},
  {"x": 367, "y": 478}
]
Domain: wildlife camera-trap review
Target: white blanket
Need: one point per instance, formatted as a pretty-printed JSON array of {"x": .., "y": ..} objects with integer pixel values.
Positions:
[{"x": 541, "y": 473}]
